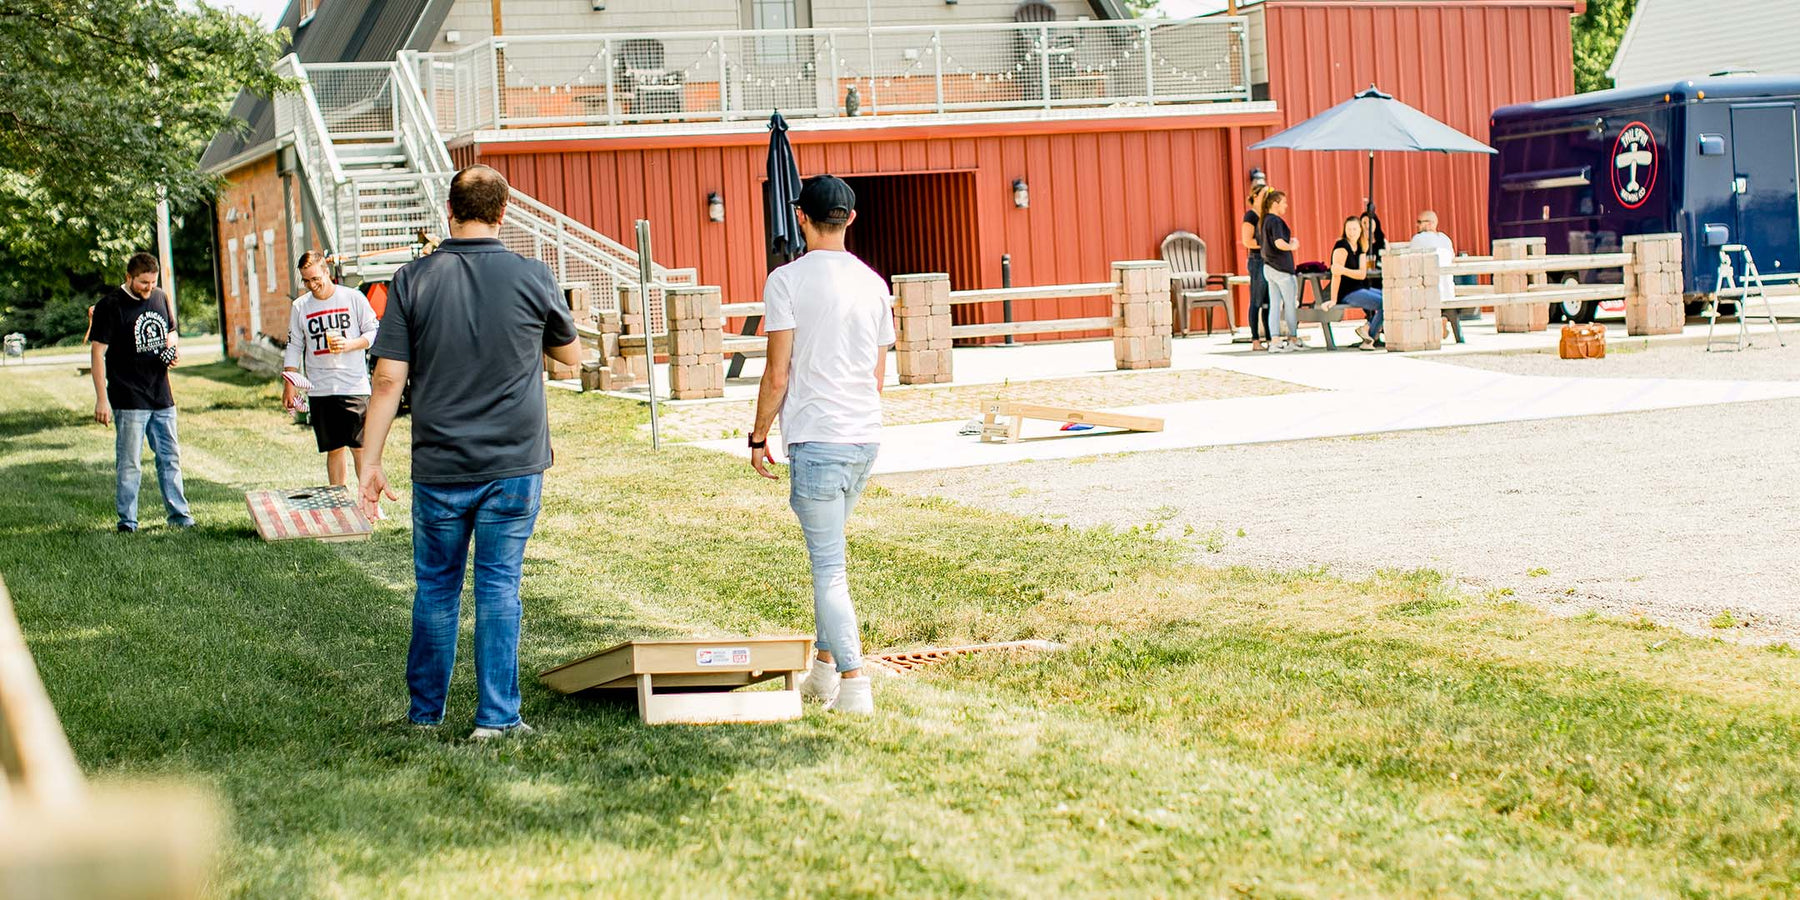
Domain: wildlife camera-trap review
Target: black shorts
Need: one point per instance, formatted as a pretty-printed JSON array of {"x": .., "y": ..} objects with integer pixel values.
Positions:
[{"x": 337, "y": 421}]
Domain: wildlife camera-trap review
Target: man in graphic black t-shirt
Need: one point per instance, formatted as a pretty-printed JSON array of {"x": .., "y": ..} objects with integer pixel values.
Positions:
[{"x": 134, "y": 345}]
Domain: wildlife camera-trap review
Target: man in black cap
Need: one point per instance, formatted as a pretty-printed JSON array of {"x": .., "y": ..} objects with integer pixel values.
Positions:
[{"x": 829, "y": 324}]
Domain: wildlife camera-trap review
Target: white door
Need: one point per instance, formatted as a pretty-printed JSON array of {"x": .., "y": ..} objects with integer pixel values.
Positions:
[{"x": 255, "y": 290}]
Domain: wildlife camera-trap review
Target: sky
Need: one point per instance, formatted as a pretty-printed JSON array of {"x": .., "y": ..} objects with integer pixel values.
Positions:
[{"x": 269, "y": 11}]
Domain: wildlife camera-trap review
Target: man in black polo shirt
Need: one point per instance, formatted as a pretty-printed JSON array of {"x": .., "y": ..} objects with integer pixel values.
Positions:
[
  {"x": 470, "y": 325},
  {"x": 134, "y": 344}
]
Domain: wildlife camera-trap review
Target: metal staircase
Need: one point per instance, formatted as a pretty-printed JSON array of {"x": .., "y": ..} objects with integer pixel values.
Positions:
[{"x": 376, "y": 178}]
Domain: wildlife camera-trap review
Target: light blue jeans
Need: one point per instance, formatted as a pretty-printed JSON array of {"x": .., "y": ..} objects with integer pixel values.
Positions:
[
  {"x": 129, "y": 428},
  {"x": 1369, "y": 301},
  {"x": 500, "y": 516},
  {"x": 824, "y": 482},
  {"x": 1284, "y": 302}
]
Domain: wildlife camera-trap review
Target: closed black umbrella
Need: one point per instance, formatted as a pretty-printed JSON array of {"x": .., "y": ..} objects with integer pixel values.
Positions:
[
  {"x": 779, "y": 195},
  {"x": 1372, "y": 121},
  {"x": 782, "y": 230}
]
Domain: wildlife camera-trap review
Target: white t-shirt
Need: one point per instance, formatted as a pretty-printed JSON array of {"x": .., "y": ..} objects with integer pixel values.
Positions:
[
  {"x": 1446, "y": 255},
  {"x": 331, "y": 374},
  {"x": 842, "y": 320}
]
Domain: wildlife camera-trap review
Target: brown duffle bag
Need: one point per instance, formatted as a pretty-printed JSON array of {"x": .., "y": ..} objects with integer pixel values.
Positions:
[{"x": 1583, "y": 342}]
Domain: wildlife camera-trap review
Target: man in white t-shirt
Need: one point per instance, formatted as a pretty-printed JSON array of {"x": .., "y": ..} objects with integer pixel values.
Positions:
[
  {"x": 1430, "y": 236},
  {"x": 328, "y": 330},
  {"x": 830, "y": 323}
]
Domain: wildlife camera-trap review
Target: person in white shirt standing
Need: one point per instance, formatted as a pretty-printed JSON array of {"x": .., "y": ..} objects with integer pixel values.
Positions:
[
  {"x": 329, "y": 329},
  {"x": 830, "y": 323}
]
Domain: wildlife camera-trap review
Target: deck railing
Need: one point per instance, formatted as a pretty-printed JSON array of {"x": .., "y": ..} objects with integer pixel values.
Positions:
[{"x": 721, "y": 76}]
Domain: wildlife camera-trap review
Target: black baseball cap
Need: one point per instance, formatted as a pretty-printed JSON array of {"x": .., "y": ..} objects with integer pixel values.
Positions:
[{"x": 826, "y": 199}]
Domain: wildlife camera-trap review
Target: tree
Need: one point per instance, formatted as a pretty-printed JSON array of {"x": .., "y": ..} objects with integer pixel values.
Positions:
[
  {"x": 103, "y": 104},
  {"x": 1596, "y": 35}
]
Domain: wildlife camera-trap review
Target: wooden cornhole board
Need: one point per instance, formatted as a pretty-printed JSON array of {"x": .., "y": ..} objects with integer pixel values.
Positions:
[
  {"x": 315, "y": 513},
  {"x": 992, "y": 429},
  {"x": 691, "y": 680}
]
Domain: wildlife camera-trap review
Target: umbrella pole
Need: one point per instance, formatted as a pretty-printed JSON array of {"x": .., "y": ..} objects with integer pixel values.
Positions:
[{"x": 1370, "y": 206}]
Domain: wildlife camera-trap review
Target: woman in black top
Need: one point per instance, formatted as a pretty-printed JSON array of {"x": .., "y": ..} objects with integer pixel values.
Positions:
[
  {"x": 1278, "y": 246},
  {"x": 1248, "y": 231},
  {"x": 1349, "y": 261}
]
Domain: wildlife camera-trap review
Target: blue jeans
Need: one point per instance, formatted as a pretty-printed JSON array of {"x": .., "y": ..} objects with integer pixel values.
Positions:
[
  {"x": 824, "y": 482},
  {"x": 129, "y": 428},
  {"x": 1369, "y": 301},
  {"x": 500, "y": 516},
  {"x": 1284, "y": 302}
]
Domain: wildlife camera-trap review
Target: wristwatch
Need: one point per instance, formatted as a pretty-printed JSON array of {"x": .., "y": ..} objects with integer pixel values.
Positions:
[{"x": 756, "y": 444}]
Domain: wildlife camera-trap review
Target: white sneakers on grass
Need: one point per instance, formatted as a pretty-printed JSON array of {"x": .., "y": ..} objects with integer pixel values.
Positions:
[
  {"x": 488, "y": 734},
  {"x": 839, "y": 694}
]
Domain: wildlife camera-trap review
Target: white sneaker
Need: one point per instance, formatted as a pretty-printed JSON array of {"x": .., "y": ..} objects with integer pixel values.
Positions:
[
  {"x": 854, "y": 697},
  {"x": 821, "y": 683},
  {"x": 488, "y": 734}
]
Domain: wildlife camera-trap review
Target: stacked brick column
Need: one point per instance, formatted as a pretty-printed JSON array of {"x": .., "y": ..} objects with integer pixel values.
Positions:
[
  {"x": 1412, "y": 304},
  {"x": 922, "y": 328},
  {"x": 696, "y": 342},
  {"x": 578, "y": 303},
  {"x": 1653, "y": 283},
  {"x": 1519, "y": 317},
  {"x": 1142, "y": 316},
  {"x": 632, "y": 369}
]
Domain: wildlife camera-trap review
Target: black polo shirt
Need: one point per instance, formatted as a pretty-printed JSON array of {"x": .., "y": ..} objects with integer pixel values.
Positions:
[{"x": 473, "y": 320}]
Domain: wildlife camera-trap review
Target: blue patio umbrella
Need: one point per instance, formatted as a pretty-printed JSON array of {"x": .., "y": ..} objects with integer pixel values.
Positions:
[
  {"x": 1372, "y": 121},
  {"x": 779, "y": 195}
]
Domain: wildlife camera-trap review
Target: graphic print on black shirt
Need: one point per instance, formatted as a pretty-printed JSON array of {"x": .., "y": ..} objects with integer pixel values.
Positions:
[{"x": 135, "y": 331}]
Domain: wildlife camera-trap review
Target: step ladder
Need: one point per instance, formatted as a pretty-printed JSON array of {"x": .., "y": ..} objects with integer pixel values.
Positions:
[{"x": 1749, "y": 288}]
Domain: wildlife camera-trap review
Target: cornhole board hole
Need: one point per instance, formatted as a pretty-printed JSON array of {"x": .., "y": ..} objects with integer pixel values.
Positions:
[
  {"x": 314, "y": 513},
  {"x": 1015, "y": 414},
  {"x": 691, "y": 681}
]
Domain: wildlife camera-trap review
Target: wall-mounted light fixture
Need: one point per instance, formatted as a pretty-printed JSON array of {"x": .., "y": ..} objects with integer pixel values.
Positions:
[
  {"x": 599, "y": 5},
  {"x": 715, "y": 207},
  {"x": 1257, "y": 176},
  {"x": 1021, "y": 194}
]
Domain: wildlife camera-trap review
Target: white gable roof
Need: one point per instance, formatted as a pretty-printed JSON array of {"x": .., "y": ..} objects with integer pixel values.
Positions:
[{"x": 1669, "y": 40}]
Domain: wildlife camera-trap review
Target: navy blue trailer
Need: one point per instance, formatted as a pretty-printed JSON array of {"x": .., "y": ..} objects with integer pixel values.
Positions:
[{"x": 1713, "y": 159}]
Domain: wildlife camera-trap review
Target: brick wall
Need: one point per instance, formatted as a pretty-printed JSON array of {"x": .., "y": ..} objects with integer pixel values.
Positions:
[{"x": 255, "y": 237}]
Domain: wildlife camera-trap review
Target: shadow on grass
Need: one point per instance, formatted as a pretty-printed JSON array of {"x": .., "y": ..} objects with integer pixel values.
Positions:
[{"x": 276, "y": 672}]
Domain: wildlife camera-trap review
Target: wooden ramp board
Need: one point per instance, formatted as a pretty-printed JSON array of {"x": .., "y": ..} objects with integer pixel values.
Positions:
[
  {"x": 689, "y": 680},
  {"x": 314, "y": 513},
  {"x": 992, "y": 429}
]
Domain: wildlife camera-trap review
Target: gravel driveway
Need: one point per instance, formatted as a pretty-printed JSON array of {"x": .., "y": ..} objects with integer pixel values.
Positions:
[{"x": 1680, "y": 515}]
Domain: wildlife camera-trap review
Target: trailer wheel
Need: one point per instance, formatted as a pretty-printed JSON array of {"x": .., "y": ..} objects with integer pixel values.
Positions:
[{"x": 1580, "y": 312}]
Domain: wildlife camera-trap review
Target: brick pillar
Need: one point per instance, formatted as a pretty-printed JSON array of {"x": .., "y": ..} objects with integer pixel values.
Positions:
[
  {"x": 1142, "y": 317},
  {"x": 1518, "y": 318},
  {"x": 1653, "y": 301},
  {"x": 922, "y": 328},
  {"x": 1412, "y": 305},
  {"x": 576, "y": 297},
  {"x": 696, "y": 342},
  {"x": 632, "y": 370}
]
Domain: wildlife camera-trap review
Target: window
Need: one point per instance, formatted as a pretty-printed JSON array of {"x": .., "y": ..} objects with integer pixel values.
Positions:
[
  {"x": 308, "y": 9},
  {"x": 231, "y": 254}
]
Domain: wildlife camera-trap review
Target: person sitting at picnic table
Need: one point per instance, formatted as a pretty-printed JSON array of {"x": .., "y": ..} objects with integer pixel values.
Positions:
[
  {"x": 1351, "y": 263},
  {"x": 1429, "y": 236}
]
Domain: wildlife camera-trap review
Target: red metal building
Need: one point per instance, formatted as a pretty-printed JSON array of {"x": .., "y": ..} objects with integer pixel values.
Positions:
[{"x": 1455, "y": 60}]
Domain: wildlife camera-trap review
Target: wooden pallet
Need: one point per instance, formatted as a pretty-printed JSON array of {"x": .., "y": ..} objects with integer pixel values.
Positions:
[
  {"x": 692, "y": 680},
  {"x": 992, "y": 429},
  {"x": 315, "y": 513}
]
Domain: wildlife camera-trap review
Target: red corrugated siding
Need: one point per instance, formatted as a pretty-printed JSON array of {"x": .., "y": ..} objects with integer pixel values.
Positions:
[
  {"x": 1455, "y": 60},
  {"x": 1096, "y": 196}
]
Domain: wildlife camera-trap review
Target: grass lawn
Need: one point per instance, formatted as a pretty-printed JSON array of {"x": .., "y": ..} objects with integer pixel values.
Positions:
[{"x": 1209, "y": 732}]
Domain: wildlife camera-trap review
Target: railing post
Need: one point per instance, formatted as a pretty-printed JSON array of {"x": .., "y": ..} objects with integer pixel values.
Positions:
[
  {"x": 922, "y": 319},
  {"x": 696, "y": 342},
  {"x": 1143, "y": 320},
  {"x": 1149, "y": 66},
  {"x": 1411, "y": 299},
  {"x": 612, "y": 98},
  {"x": 496, "y": 63},
  {"x": 1512, "y": 318},
  {"x": 724, "y": 81},
  {"x": 937, "y": 62},
  {"x": 1653, "y": 283},
  {"x": 1044, "y": 62},
  {"x": 831, "y": 54}
]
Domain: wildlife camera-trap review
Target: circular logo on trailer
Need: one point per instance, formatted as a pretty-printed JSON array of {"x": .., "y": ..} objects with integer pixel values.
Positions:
[{"x": 1634, "y": 165}]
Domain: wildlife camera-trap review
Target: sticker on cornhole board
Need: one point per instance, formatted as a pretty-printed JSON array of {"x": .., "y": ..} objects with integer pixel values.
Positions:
[
  {"x": 314, "y": 513},
  {"x": 722, "y": 656}
]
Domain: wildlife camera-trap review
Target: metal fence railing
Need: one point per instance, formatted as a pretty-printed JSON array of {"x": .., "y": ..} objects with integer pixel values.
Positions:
[{"x": 702, "y": 76}]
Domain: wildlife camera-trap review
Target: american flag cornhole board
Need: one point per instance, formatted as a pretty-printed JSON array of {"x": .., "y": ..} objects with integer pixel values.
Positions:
[{"x": 314, "y": 513}]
